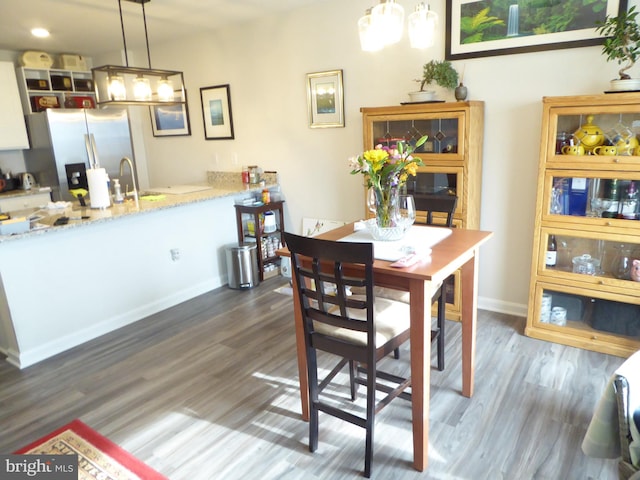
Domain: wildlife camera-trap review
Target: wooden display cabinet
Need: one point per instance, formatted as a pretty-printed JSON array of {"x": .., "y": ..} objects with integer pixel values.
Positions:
[
  {"x": 250, "y": 224},
  {"x": 597, "y": 308},
  {"x": 452, "y": 158}
]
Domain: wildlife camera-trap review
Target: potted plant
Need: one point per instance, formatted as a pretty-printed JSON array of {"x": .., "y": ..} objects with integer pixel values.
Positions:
[
  {"x": 623, "y": 45},
  {"x": 441, "y": 73}
]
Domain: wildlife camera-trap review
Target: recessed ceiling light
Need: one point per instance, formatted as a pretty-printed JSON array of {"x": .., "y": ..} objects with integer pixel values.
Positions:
[{"x": 40, "y": 32}]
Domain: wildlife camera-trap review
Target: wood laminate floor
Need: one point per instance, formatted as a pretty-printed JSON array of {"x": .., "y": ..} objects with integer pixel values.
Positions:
[{"x": 208, "y": 390}]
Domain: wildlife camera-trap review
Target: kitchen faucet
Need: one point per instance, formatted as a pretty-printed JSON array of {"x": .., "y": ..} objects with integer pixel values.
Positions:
[{"x": 127, "y": 160}]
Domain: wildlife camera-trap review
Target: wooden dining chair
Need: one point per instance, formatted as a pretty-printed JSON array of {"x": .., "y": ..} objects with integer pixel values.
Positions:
[
  {"x": 357, "y": 329},
  {"x": 430, "y": 204},
  {"x": 446, "y": 205}
]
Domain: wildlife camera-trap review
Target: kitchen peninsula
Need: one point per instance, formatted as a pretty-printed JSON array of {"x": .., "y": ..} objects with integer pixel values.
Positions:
[{"x": 61, "y": 286}]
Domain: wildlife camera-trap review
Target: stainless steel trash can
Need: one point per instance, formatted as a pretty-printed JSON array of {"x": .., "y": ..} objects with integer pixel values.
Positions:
[{"x": 242, "y": 266}]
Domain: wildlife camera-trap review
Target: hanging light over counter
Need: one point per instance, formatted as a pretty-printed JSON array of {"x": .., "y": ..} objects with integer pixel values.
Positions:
[
  {"x": 125, "y": 85},
  {"x": 383, "y": 24}
]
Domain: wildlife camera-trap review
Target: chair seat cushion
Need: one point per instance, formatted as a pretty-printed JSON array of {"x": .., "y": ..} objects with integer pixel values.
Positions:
[
  {"x": 392, "y": 319},
  {"x": 397, "y": 295}
]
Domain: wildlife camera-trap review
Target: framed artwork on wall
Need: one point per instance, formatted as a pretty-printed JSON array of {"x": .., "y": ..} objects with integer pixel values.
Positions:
[
  {"x": 216, "y": 112},
  {"x": 325, "y": 99},
  {"x": 170, "y": 120},
  {"x": 499, "y": 27}
]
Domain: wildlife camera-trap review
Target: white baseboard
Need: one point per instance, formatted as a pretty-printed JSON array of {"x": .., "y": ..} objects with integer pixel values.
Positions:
[
  {"x": 493, "y": 305},
  {"x": 32, "y": 356}
]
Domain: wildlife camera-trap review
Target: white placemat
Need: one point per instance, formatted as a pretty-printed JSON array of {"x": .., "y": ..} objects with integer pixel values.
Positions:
[{"x": 419, "y": 239}]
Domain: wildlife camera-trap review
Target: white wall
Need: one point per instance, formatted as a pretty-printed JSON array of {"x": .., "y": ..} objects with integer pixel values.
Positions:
[
  {"x": 266, "y": 63},
  {"x": 62, "y": 288}
]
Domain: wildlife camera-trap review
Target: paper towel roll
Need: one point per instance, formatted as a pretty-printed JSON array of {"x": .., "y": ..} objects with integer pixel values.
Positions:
[{"x": 98, "y": 189}]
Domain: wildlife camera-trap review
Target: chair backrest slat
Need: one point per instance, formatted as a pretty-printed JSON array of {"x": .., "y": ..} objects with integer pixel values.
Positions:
[
  {"x": 324, "y": 270},
  {"x": 436, "y": 204}
]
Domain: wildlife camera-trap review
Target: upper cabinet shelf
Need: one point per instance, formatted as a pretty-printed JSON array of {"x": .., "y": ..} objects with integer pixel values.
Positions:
[
  {"x": 602, "y": 132},
  {"x": 42, "y": 88}
]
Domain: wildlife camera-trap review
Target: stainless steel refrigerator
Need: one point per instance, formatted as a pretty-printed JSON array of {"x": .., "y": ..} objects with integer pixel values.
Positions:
[{"x": 65, "y": 142}]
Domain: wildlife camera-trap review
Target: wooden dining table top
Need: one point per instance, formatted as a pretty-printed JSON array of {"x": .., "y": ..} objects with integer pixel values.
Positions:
[{"x": 446, "y": 256}]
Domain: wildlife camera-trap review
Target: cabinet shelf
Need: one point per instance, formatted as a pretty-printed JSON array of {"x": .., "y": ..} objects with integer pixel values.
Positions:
[
  {"x": 598, "y": 297},
  {"x": 42, "y": 88},
  {"x": 452, "y": 157},
  {"x": 248, "y": 221}
]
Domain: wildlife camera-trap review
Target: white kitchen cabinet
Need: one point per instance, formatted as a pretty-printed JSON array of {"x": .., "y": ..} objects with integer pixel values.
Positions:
[{"x": 13, "y": 131}]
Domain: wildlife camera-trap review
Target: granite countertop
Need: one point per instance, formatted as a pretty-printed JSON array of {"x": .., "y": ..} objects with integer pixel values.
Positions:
[
  {"x": 218, "y": 186},
  {"x": 21, "y": 193}
]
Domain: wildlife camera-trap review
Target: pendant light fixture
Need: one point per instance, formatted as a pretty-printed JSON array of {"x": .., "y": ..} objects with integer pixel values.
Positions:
[
  {"x": 388, "y": 19},
  {"x": 125, "y": 85},
  {"x": 370, "y": 40},
  {"x": 422, "y": 26},
  {"x": 382, "y": 25}
]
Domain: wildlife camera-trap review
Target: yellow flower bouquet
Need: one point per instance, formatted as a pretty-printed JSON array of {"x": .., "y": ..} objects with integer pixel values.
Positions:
[{"x": 386, "y": 169}]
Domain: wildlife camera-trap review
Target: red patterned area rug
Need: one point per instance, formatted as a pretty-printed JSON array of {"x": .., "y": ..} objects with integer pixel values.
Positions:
[{"x": 98, "y": 457}]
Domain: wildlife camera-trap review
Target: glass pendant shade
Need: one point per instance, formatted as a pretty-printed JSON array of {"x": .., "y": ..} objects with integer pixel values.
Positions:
[
  {"x": 129, "y": 85},
  {"x": 165, "y": 90},
  {"x": 388, "y": 19},
  {"x": 142, "y": 89},
  {"x": 370, "y": 40},
  {"x": 117, "y": 90},
  {"x": 422, "y": 27}
]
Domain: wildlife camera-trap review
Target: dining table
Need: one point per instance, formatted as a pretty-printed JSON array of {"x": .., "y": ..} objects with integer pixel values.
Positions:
[{"x": 440, "y": 256}]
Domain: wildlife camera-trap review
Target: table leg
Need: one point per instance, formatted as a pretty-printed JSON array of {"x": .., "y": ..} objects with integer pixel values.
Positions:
[
  {"x": 420, "y": 298},
  {"x": 469, "y": 312},
  {"x": 301, "y": 351}
]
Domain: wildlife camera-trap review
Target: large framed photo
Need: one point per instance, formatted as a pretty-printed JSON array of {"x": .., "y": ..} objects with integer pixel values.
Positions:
[
  {"x": 216, "y": 112},
  {"x": 501, "y": 27},
  {"x": 325, "y": 99},
  {"x": 170, "y": 120}
]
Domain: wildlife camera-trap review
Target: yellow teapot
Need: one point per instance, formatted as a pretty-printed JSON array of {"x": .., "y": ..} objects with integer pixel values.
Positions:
[{"x": 589, "y": 135}]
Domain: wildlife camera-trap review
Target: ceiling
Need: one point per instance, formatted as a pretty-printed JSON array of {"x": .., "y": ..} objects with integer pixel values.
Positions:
[{"x": 92, "y": 27}]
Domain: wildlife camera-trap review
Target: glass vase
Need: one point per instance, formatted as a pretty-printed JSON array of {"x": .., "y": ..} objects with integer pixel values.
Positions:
[
  {"x": 622, "y": 262},
  {"x": 383, "y": 203}
]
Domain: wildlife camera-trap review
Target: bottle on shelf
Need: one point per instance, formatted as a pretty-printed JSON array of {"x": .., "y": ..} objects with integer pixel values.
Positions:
[
  {"x": 551, "y": 257},
  {"x": 612, "y": 193},
  {"x": 629, "y": 202}
]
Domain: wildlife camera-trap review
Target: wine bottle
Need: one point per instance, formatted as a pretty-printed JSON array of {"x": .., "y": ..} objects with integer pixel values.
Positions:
[
  {"x": 552, "y": 252},
  {"x": 629, "y": 202},
  {"x": 611, "y": 192}
]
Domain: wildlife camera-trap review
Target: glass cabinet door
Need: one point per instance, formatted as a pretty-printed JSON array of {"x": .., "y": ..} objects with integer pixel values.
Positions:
[
  {"x": 443, "y": 132},
  {"x": 588, "y": 313},
  {"x": 589, "y": 258},
  {"x": 435, "y": 181},
  {"x": 593, "y": 194},
  {"x": 601, "y": 133}
]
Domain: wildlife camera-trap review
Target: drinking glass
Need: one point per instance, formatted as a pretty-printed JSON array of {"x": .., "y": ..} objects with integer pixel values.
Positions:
[
  {"x": 599, "y": 205},
  {"x": 406, "y": 212}
]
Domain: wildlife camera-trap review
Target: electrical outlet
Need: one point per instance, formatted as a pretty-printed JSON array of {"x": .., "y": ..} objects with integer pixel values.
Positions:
[{"x": 175, "y": 254}]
